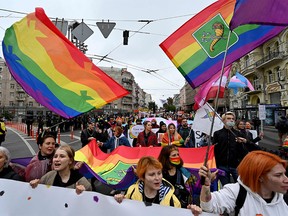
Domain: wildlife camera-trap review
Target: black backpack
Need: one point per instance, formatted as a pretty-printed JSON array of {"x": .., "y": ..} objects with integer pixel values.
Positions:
[
  {"x": 242, "y": 196},
  {"x": 240, "y": 199}
]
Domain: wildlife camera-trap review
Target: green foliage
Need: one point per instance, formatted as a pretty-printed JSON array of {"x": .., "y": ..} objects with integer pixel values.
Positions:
[{"x": 169, "y": 105}]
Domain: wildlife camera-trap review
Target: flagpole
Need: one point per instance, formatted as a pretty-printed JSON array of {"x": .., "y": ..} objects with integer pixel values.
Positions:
[{"x": 216, "y": 106}]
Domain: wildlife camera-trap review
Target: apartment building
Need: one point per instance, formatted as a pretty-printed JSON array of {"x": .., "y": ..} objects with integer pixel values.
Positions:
[{"x": 266, "y": 69}]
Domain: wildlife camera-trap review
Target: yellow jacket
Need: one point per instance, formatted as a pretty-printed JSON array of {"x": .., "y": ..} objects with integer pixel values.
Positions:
[
  {"x": 166, "y": 193},
  {"x": 2, "y": 128}
]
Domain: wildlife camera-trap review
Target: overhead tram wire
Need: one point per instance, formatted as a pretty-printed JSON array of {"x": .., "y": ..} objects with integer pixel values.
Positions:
[
  {"x": 135, "y": 32},
  {"x": 149, "y": 71},
  {"x": 121, "y": 43}
]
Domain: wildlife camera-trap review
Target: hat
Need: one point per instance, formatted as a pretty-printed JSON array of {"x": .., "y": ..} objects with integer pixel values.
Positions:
[
  {"x": 162, "y": 123},
  {"x": 138, "y": 121}
]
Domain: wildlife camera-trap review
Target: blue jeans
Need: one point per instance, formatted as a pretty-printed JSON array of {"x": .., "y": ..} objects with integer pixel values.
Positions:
[{"x": 227, "y": 178}]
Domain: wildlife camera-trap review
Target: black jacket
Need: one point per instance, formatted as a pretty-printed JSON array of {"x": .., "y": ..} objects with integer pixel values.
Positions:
[
  {"x": 227, "y": 151},
  {"x": 8, "y": 173}
]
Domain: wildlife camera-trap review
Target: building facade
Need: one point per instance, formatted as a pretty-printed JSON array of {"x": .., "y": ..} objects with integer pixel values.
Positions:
[
  {"x": 14, "y": 101},
  {"x": 137, "y": 100},
  {"x": 267, "y": 69}
]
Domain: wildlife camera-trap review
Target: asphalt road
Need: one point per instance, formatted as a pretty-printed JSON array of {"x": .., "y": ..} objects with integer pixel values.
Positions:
[{"x": 20, "y": 145}]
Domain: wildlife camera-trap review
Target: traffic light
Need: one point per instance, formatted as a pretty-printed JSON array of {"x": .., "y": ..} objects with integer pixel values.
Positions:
[{"x": 125, "y": 37}]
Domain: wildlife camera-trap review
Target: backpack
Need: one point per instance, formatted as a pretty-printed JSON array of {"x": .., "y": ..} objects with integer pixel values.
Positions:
[
  {"x": 242, "y": 196},
  {"x": 182, "y": 194},
  {"x": 240, "y": 199}
]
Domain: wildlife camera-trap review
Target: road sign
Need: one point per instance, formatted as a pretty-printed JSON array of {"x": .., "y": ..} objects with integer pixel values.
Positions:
[
  {"x": 262, "y": 112},
  {"x": 82, "y": 32},
  {"x": 62, "y": 25},
  {"x": 106, "y": 28}
]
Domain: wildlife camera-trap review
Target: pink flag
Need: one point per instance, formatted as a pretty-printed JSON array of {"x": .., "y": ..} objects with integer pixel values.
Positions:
[{"x": 209, "y": 89}]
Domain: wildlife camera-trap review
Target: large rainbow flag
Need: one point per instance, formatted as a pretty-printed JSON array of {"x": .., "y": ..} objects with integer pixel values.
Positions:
[
  {"x": 116, "y": 168},
  {"x": 197, "y": 47},
  {"x": 53, "y": 71}
]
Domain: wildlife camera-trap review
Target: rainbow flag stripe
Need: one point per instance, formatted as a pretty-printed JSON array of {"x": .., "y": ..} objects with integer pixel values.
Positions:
[
  {"x": 113, "y": 167},
  {"x": 197, "y": 47},
  {"x": 53, "y": 71}
]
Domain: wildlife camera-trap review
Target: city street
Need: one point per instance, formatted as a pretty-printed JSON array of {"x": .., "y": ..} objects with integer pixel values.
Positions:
[{"x": 20, "y": 145}]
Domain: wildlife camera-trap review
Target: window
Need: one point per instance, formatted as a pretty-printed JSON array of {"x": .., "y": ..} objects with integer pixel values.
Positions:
[
  {"x": 12, "y": 95},
  {"x": 12, "y": 86},
  {"x": 270, "y": 77},
  {"x": 1, "y": 69},
  {"x": 30, "y": 104},
  {"x": 277, "y": 49},
  {"x": 278, "y": 73},
  {"x": 267, "y": 51},
  {"x": 247, "y": 62},
  {"x": 11, "y": 103},
  {"x": 0, "y": 94},
  {"x": 21, "y": 95},
  {"x": 255, "y": 82}
]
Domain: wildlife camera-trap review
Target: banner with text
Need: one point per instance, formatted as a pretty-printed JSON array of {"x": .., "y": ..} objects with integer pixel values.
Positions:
[{"x": 18, "y": 198}]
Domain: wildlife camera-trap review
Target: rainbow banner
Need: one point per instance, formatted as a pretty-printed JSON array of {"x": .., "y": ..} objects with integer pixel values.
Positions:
[
  {"x": 53, "y": 71},
  {"x": 197, "y": 47},
  {"x": 116, "y": 168}
]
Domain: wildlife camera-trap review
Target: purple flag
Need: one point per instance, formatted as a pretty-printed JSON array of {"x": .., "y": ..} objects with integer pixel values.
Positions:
[{"x": 263, "y": 12}]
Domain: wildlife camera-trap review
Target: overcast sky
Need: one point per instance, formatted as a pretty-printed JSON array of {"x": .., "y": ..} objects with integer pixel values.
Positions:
[{"x": 142, "y": 52}]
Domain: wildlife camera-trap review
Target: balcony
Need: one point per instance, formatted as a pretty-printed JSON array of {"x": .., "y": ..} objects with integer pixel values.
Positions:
[
  {"x": 125, "y": 101},
  {"x": 126, "y": 80},
  {"x": 248, "y": 69},
  {"x": 257, "y": 89},
  {"x": 272, "y": 58},
  {"x": 18, "y": 89},
  {"x": 128, "y": 87},
  {"x": 18, "y": 98}
]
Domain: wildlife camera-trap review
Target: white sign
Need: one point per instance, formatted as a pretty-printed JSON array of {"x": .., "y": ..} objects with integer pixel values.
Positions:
[
  {"x": 18, "y": 198},
  {"x": 262, "y": 112},
  {"x": 203, "y": 120}
]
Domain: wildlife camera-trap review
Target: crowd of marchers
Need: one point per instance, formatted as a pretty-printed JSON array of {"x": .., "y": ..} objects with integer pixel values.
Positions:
[{"x": 255, "y": 181}]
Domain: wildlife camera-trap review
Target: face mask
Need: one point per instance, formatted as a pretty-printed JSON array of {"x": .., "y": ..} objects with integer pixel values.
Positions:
[
  {"x": 175, "y": 161},
  {"x": 230, "y": 124}
]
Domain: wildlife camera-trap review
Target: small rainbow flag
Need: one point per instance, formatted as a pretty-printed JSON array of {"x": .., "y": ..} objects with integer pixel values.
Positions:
[
  {"x": 197, "y": 48},
  {"x": 114, "y": 167},
  {"x": 53, "y": 71}
]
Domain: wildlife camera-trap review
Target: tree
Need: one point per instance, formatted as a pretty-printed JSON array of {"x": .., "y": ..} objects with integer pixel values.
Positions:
[
  {"x": 169, "y": 105},
  {"x": 152, "y": 106}
]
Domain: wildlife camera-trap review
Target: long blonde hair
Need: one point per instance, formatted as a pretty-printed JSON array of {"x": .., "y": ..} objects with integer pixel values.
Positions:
[{"x": 176, "y": 135}]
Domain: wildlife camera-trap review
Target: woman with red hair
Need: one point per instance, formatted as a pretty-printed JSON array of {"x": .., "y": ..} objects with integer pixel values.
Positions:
[
  {"x": 151, "y": 188},
  {"x": 262, "y": 176}
]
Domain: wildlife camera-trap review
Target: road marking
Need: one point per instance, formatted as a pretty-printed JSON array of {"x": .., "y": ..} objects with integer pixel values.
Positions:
[{"x": 26, "y": 143}]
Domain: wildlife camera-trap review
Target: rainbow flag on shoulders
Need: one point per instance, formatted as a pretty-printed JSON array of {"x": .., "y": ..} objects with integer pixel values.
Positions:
[
  {"x": 53, "y": 71},
  {"x": 115, "y": 169},
  {"x": 197, "y": 48}
]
